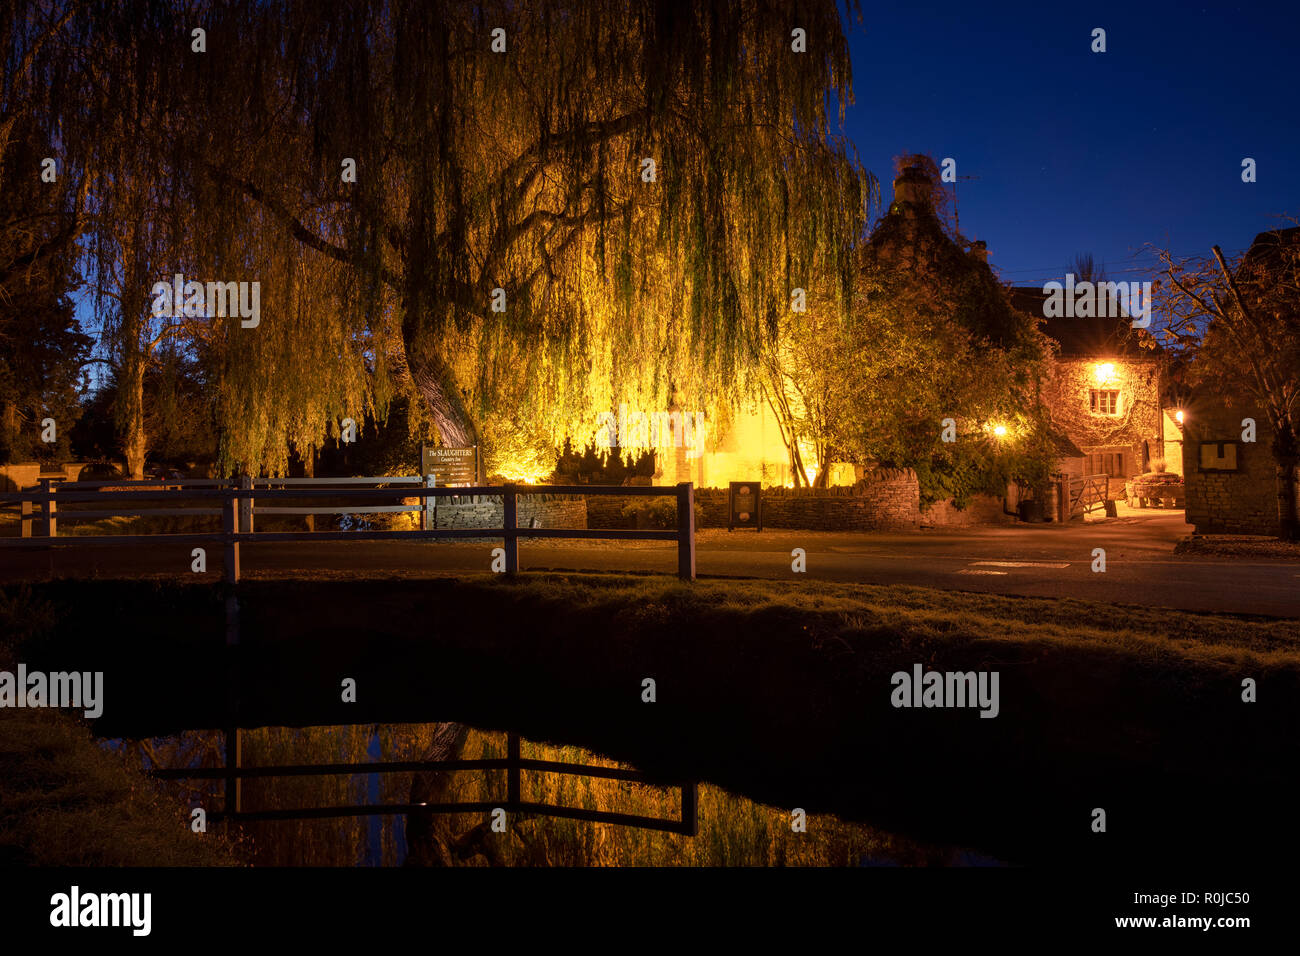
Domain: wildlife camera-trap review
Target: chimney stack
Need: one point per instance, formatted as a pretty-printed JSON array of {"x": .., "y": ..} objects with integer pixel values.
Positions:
[{"x": 913, "y": 187}]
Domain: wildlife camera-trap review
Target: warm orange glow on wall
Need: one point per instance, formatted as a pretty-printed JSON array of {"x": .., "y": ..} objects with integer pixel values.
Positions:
[{"x": 1105, "y": 372}]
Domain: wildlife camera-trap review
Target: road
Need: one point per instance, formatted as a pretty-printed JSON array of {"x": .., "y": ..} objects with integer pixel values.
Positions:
[{"x": 1044, "y": 560}]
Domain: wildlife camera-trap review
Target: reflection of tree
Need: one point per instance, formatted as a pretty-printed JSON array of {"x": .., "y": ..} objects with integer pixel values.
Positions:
[
  {"x": 733, "y": 831},
  {"x": 340, "y": 841}
]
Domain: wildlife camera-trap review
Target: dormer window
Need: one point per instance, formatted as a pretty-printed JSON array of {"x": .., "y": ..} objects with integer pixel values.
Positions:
[{"x": 1104, "y": 401}]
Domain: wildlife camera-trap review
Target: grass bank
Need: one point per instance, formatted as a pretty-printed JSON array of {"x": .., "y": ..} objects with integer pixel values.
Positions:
[{"x": 65, "y": 801}]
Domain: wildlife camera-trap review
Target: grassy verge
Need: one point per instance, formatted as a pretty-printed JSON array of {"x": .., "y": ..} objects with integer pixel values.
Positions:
[
  {"x": 1238, "y": 546},
  {"x": 64, "y": 801}
]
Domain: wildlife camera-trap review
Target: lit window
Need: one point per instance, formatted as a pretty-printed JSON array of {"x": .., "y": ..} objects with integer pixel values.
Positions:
[
  {"x": 1104, "y": 401},
  {"x": 1105, "y": 463}
]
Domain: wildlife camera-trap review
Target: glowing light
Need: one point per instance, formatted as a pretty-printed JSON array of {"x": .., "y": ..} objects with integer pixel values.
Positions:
[
  {"x": 523, "y": 470},
  {"x": 1105, "y": 372},
  {"x": 1000, "y": 430},
  {"x": 1178, "y": 416}
]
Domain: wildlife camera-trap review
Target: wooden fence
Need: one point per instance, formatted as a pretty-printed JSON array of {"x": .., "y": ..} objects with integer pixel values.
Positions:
[{"x": 234, "y": 502}]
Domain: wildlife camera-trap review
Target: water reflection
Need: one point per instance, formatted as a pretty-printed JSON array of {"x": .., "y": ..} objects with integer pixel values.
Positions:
[{"x": 733, "y": 831}]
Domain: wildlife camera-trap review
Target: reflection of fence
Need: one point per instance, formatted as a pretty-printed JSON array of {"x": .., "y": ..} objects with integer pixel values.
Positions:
[
  {"x": 1091, "y": 491},
  {"x": 234, "y": 502},
  {"x": 233, "y": 773}
]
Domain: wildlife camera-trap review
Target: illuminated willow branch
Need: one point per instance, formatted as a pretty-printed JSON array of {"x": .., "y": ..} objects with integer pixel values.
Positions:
[{"x": 523, "y": 170}]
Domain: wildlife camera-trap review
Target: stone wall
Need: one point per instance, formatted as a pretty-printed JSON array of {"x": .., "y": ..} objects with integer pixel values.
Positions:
[
  {"x": 888, "y": 500},
  {"x": 18, "y": 477},
  {"x": 1229, "y": 502},
  {"x": 28, "y": 475},
  {"x": 488, "y": 511},
  {"x": 606, "y": 511},
  {"x": 982, "y": 510}
]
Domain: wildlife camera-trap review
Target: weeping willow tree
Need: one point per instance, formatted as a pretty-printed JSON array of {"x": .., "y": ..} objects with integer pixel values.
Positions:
[
  {"x": 525, "y": 214},
  {"x": 42, "y": 213}
]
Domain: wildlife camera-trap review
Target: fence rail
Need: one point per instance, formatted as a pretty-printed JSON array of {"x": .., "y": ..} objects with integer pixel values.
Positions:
[{"x": 238, "y": 507}]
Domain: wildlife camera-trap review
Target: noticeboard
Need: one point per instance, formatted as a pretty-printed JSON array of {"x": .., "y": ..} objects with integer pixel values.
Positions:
[
  {"x": 745, "y": 505},
  {"x": 450, "y": 466}
]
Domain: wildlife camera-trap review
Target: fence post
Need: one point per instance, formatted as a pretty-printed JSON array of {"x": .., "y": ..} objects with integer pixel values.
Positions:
[
  {"x": 512, "y": 786},
  {"x": 25, "y": 509},
  {"x": 230, "y": 525},
  {"x": 51, "y": 509},
  {"x": 690, "y": 812},
  {"x": 246, "y": 504},
  {"x": 511, "y": 528},
  {"x": 234, "y": 760},
  {"x": 686, "y": 531},
  {"x": 430, "y": 481}
]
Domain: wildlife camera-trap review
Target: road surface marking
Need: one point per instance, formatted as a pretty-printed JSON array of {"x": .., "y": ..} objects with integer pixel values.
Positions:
[
  {"x": 977, "y": 571},
  {"x": 1018, "y": 564}
]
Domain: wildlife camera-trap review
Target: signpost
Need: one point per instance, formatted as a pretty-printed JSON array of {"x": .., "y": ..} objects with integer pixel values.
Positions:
[
  {"x": 745, "y": 505},
  {"x": 450, "y": 466},
  {"x": 443, "y": 465}
]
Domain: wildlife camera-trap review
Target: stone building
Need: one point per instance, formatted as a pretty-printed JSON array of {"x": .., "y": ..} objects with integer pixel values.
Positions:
[
  {"x": 1231, "y": 482},
  {"x": 1104, "y": 393}
]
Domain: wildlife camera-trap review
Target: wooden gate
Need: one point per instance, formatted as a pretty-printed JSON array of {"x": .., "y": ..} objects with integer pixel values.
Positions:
[{"x": 1091, "y": 491}]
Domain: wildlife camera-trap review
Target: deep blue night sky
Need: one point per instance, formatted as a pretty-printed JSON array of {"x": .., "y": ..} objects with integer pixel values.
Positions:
[{"x": 1083, "y": 152}]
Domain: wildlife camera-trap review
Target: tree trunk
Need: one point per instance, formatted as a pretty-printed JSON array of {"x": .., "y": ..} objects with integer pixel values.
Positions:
[
  {"x": 427, "y": 843},
  {"x": 309, "y": 471},
  {"x": 1286, "y": 453},
  {"x": 8, "y": 432},
  {"x": 1287, "y": 522},
  {"x": 135, "y": 351},
  {"x": 442, "y": 397},
  {"x": 130, "y": 413}
]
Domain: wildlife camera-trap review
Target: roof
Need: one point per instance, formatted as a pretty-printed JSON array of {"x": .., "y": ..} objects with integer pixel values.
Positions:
[
  {"x": 1064, "y": 445},
  {"x": 1082, "y": 337},
  {"x": 1266, "y": 247}
]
